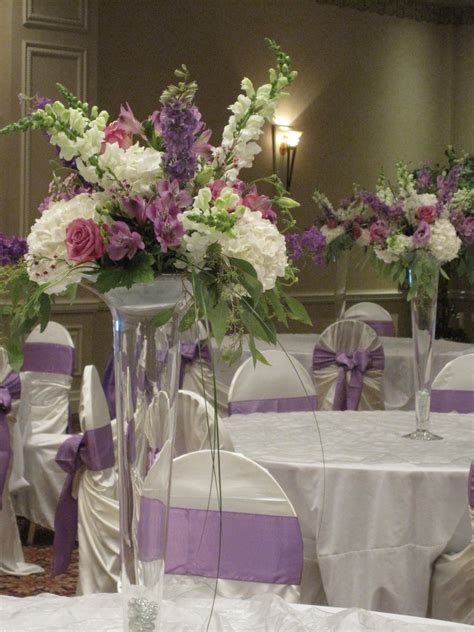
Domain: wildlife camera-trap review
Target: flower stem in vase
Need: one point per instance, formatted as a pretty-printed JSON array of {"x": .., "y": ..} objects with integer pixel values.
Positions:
[{"x": 342, "y": 265}]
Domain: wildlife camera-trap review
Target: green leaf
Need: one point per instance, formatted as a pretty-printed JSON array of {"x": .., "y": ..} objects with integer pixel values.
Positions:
[
  {"x": 219, "y": 316},
  {"x": 231, "y": 356},
  {"x": 138, "y": 270},
  {"x": 274, "y": 299},
  {"x": 70, "y": 293},
  {"x": 44, "y": 310},
  {"x": 258, "y": 326},
  {"x": 163, "y": 317},
  {"x": 297, "y": 311},
  {"x": 189, "y": 318},
  {"x": 15, "y": 353},
  {"x": 256, "y": 355}
]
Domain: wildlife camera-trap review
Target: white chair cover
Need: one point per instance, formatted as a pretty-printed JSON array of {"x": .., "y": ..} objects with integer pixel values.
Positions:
[
  {"x": 12, "y": 561},
  {"x": 99, "y": 550},
  {"x": 246, "y": 489},
  {"x": 453, "y": 387},
  {"x": 452, "y": 585},
  {"x": 348, "y": 336},
  {"x": 282, "y": 386},
  {"x": 44, "y": 405},
  {"x": 196, "y": 428},
  {"x": 374, "y": 315}
]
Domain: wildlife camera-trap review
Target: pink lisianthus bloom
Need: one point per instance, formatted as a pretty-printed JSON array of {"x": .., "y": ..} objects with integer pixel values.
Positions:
[
  {"x": 122, "y": 241},
  {"x": 84, "y": 241},
  {"x": 115, "y": 133},
  {"x": 136, "y": 207},
  {"x": 256, "y": 202},
  {"x": 427, "y": 214},
  {"x": 128, "y": 122},
  {"x": 379, "y": 232}
]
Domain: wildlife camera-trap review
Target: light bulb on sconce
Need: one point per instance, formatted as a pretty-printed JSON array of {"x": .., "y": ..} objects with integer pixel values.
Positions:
[{"x": 285, "y": 140}]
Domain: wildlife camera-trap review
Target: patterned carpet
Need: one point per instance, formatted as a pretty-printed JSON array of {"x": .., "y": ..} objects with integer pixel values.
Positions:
[{"x": 40, "y": 553}]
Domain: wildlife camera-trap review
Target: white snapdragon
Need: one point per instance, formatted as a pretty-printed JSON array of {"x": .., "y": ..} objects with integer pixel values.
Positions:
[
  {"x": 47, "y": 260},
  {"x": 444, "y": 242},
  {"x": 90, "y": 134},
  {"x": 332, "y": 233}
]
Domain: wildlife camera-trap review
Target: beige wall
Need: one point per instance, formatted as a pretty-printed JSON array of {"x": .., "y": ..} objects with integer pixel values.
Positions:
[
  {"x": 463, "y": 114},
  {"x": 372, "y": 90}
]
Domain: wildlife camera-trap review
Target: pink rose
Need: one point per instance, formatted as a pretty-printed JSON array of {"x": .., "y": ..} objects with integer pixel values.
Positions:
[
  {"x": 427, "y": 214},
  {"x": 83, "y": 241},
  {"x": 331, "y": 223},
  {"x": 356, "y": 231},
  {"x": 115, "y": 133}
]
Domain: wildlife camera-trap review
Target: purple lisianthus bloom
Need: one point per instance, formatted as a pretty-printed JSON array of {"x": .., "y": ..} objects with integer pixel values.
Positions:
[
  {"x": 168, "y": 232},
  {"x": 128, "y": 122},
  {"x": 422, "y": 234},
  {"x": 465, "y": 230},
  {"x": 136, "y": 206},
  {"x": 171, "y": 200},
  {"x": 12, "y": 249},
  {"x": 122, "y": 241}
]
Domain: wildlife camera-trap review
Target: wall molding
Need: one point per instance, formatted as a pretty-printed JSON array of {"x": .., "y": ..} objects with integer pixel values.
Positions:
[
  {"x": 30, "y": 51},
  {"x": 410, "y": 9},
  {"x": 33, "y": 18}
]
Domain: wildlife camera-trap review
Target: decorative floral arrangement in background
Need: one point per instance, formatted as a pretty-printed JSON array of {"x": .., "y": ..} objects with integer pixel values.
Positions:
[
  {"x": 338, "y": 229},
  {"x": 418, "y": 228},
  {"x": 132, "y": 200}
]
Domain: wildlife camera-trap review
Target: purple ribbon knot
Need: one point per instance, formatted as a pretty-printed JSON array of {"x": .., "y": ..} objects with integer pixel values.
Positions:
[
  {"x": 10, "y": 389},
  {"x": 94, "y": 450},
  {"x": 348, "y": 393}
]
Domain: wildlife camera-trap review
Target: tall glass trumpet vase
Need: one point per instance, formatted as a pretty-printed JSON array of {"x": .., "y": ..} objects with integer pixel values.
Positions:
[
  {"x": 147, "y": 365},
  {"x": 342, "y": 266},
  {"x": 423, "y": 323}
]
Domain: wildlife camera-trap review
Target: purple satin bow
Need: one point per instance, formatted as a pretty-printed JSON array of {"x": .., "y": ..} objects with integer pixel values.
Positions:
[
  {"x": 191, "y": 351},
  {"x": 10, "y": 389},
  {"x": 95, "y": 451},
  {"x": 347, "y": 395},
  {"x": 471, "y": 486}
]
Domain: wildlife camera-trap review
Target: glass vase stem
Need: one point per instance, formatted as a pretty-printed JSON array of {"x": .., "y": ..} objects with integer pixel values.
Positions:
[{"x": 342, "y": 266}]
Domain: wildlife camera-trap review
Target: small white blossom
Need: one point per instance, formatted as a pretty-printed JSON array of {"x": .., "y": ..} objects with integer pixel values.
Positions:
[
  {"x": 332, "y": 233},
  {"x": 444, "y": 242}
]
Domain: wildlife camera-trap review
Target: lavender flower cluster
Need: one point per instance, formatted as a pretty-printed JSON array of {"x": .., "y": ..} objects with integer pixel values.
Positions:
[{"x": 12, "y": 249}]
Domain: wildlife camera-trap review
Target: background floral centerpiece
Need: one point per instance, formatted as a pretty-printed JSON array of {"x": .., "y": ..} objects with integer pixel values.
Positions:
[{"x": 133, "y": 200}]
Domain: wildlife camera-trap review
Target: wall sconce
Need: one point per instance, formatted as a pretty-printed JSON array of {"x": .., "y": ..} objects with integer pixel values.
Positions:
[{"x": 284, "y": 142}]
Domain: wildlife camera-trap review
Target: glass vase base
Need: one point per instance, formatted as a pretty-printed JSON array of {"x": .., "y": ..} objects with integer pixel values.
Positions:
[{"x": 422, "y": 435}]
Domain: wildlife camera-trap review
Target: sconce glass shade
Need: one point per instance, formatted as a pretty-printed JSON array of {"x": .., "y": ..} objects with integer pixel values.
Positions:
[{"x": 291, "y": 137}]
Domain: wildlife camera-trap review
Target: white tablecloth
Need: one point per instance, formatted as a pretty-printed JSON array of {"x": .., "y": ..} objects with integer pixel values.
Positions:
[
  {"x": 398, "y": 375},
  {"x": 103, "y": 613},
  {"x": 383, "y": 507}
]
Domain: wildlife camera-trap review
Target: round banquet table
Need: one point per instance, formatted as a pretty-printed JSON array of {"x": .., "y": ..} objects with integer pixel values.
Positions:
[
  {"x": 102, "y": 613},
  {"x": 398, "y": 374},
  {"x": 381, "y": 509}
]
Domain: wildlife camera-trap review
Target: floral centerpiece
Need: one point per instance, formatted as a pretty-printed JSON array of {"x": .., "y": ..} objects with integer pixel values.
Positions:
[
  {"x": 133, "y": 200},
  {"x": 135, "y": 207}
]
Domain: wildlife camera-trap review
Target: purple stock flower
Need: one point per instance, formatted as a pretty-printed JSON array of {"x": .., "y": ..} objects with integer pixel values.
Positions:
[
  {"x": 179, "y": 123},
  {"x": 11, "y": 249},
  {"x": 311, "y": 242},
  {"x": 422, "y": 234},
  {"x": 448, "y": 185},
  {"x": 293, "y": 243},
  {"x": 466, "y": 230},
  {"x": 122, "y": 241},
  {"x": 423, "y": 178}
]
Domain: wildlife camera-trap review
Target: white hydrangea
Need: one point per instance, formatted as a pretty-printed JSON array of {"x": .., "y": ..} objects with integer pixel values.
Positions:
[
  {"x": 47, "y": 259},
  {"x": 398, "y": 245},
  {"x": 138, "y": 166},
  {"x": 387, "y": 256},
  {"x": 444, "y": 242},
  {"x": 258, "y": 241},
  {"x": 332, "y": 233}
]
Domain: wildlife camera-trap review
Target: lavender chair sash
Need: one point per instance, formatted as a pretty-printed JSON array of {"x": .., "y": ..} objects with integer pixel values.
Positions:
[
  {"x": 254, "y": 547},
  {"x": 382, "y": 327},
  {"x": 94, "y": 450},
  {"x": 48, "y": 357},
  {"x": 471, "y": 486},
  {"x": 279, "y": 405},
  {"x": 450, "y": 400},
  {"x": 10, "y": 388},
  {"x": 108, "y": 384},
  {"x": 347, "y": 395}
]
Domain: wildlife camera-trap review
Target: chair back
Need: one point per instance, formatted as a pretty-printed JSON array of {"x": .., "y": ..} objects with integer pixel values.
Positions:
[
  {"x": 283, "y": 385},
  {"x": 453, "y": 387},
  {"x": 97, "y": 498},
  {"x": 373, "y": 315},
  {"x": 46, "y": 377},
  {"x": 197, "y": 426},
  {"x": 253, "y": 546},
  {"x": 348, "y": 363}
]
